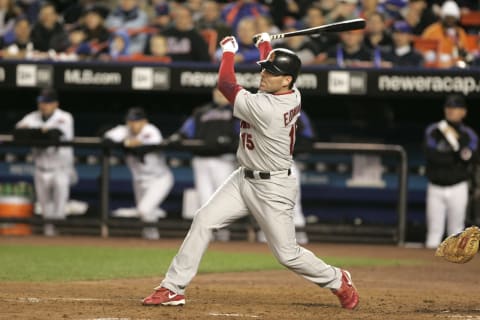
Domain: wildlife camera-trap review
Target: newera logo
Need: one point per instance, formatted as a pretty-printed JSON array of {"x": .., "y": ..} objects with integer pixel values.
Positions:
[
  {"x": 200, "y": 79},
  {"x": 146, "y": 78}
]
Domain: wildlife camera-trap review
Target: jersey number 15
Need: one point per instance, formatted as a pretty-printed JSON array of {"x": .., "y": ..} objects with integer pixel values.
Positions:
[{"x": 247, "y": 139}]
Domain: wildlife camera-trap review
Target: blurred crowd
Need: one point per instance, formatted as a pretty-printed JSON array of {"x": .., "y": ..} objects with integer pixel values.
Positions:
[{"x": 399, "y": 33}]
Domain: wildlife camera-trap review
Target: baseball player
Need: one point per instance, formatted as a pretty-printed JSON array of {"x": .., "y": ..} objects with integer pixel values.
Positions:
[
  {"x": 152, "y": 178},
  {"x": 263, "y": 184},
  {"x": 215, "y": 125},
  {"x": 450, "y": 150},
  {"x": 54, "y": 167}
]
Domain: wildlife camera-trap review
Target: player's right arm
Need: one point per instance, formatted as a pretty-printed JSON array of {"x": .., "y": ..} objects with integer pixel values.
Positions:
[
  {"x": 117, "y": 134},
  {"x": 227, "y": 81},
  {"x": 26, "y": 122}
]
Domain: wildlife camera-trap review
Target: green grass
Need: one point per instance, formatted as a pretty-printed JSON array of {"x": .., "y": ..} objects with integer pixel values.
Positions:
[{"x": 69, "y": 263}]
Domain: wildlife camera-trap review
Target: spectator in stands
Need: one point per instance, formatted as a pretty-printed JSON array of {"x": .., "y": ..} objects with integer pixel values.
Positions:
[
  {"x": 152, "y": 178},
  {"x": 295, "y": 9},
  {"x": 16, "y": 46},
  {"x": 49, "y": 33},
  {"x": 450, "y": 149},
  {"x": 215, "y": 125},
  {"x": 305, "y": 48},
  {"x": 157, "y": 50},
  {"x": 392, "y": 9},
  {"x": 350, "y": 52},
  {"x": 233, "y": 12},
  {"x": 54, "y": 166},
  {"x": 30, "y": 9},
  {"x": 326, "y": 6},
  {"x": 377, "y": 36},
  {"x": 419, "y": 15},
  {"x": 451, "y": 36},
  {"x": 8, "y": 14},
  {"x": 91, "y": 38},
  {"x": 118, "y": 48},
  {"x": 265, "y": 24},
  {"x": 210, "y": 20},
  {"x": 314, "y": 17},
  {"x": 369, "y": 7},
  {"x": 195, "y": 7},
  {"x": 161, "y": 15},
  {"x": 128, "y": 16},
  {"x": 184, "y": 42},
  {"x": 247, "y": 51},
  {"x": 403, "y": 54},
  {"x": 76, "y": 10},
  {"x": 344, "y": 10}
]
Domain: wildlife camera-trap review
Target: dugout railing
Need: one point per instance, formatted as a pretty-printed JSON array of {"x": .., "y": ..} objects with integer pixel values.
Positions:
[{"x": 105, "y": 223}]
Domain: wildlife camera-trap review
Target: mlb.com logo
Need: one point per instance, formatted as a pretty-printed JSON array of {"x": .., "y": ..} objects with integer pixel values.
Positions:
[
  {"x": 347, "y": 82},
  {"x": 146, "y": 78}
]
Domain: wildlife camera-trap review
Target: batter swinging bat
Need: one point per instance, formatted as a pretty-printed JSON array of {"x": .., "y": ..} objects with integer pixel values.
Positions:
[{"x": 346, "y": 25}]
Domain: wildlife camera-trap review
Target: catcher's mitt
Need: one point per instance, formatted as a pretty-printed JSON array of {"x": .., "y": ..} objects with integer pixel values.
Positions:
[{"x": 460, "y": 247}]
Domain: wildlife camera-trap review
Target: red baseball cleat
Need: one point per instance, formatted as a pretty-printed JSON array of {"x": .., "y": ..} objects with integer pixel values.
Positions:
[
  {"x": 347, "y": 293},
  {"x": 164, "y": 297}
]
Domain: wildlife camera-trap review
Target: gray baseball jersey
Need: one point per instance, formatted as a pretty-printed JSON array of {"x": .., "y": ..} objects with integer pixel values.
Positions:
[{"x": 267, "y": 131}]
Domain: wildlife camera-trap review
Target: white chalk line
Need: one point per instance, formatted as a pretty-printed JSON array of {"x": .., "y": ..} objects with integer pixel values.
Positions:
[
  {"x": 110, "y": 318},
  {"x": 38, "y": 300},
  {"x": 214, "y": 314}
]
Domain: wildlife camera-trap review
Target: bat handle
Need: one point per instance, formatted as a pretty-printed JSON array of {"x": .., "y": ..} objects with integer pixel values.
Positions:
[
  {"x": 277, "y": 36},
  {"x": 272, "y": 37}
]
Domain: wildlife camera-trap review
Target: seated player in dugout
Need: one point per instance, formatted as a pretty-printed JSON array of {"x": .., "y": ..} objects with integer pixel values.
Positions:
[
  {"x": 152, "y": 178},
  {"x": 263, "y": 185}
]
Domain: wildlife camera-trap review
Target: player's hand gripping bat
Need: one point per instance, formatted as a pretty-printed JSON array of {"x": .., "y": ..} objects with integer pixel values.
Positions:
[{"x": 346, "y": 25}]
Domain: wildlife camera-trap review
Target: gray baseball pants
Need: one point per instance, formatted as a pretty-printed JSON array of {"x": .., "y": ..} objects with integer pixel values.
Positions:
[{"x": 271, "y": 202}]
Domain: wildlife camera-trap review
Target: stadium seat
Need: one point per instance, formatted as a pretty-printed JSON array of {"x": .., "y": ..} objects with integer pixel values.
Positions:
[
  {"x": 429, "y": 48},
  {"x": 473, "y": 41},
  {"x": 470, "y": 19}
]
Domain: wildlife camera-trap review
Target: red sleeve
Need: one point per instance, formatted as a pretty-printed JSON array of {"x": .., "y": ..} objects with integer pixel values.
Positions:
[
  {"x": 264, "y": 48},
  {"x": 227, "y": 82}
]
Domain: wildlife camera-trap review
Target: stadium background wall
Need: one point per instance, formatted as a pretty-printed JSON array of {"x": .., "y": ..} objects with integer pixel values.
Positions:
[{"x": 344, "y": 105}]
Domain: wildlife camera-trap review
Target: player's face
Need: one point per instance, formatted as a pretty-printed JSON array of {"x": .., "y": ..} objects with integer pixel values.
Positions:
[
  {"x": 274, "y": 84},
  {"x": 455, "y": 115},
  {"x": 135, "y": 126},
  {"x": 47, "y": 108}
]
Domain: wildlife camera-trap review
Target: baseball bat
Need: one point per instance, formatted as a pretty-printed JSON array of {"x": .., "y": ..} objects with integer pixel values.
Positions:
[{"x": 347, "y": 25}]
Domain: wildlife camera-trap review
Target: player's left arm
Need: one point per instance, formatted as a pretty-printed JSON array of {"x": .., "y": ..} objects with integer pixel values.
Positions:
[
  {"x": 262, "y": 42},
  {"x": 468, "y": 142}
]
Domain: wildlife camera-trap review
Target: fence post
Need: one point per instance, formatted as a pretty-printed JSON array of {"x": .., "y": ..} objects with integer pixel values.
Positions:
[{"x": 104, "y": 191}]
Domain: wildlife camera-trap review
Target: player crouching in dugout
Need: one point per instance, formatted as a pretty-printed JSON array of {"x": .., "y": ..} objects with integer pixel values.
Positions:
[{"x": 152, "y": 178}]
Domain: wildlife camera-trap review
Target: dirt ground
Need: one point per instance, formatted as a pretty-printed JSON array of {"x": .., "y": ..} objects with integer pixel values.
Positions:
[{"x": 433, "y": 290}]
